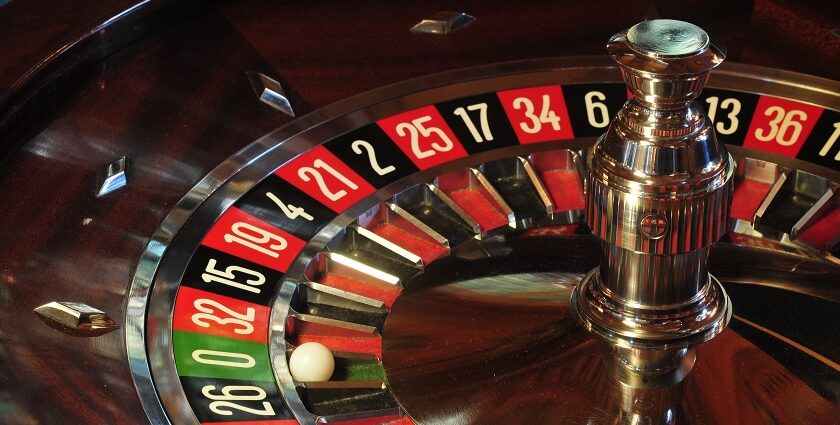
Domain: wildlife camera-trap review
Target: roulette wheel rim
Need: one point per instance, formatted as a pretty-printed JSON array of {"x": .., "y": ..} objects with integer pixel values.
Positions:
[{"x": 149, "y": 320}]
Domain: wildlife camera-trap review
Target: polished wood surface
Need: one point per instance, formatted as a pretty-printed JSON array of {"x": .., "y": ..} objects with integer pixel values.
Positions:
[
  {"x": 176, "y": 105},
  {"x": 32, "y": 32},
  {"x": 77, "y": 95},
  {"x": 44, "y": 43}
]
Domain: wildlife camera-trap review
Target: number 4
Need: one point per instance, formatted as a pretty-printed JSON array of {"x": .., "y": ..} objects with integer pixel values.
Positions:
[{"x": 290, "y": 210}]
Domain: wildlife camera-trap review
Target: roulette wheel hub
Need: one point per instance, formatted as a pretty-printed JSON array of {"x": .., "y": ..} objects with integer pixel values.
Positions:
[{"x": 659, "y": 189}]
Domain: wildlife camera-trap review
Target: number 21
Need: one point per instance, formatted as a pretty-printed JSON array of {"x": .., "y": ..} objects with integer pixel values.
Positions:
[{"x": 307, "y": 173}]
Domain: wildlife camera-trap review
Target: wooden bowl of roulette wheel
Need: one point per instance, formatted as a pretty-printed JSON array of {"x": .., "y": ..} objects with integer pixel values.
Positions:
[{"x": 440, "y": 276}]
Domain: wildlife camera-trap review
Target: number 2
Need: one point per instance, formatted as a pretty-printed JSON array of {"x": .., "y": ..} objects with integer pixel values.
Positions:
[{"x": 360, "y": 145}]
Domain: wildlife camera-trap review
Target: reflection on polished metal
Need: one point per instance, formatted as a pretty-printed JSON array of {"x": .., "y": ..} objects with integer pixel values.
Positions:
[
  {"x": 76, "y": 319},
  {"x": 793, "y": 202},
  {"x": 516, "y": 181},
  {"x": 116, "y": 176},
  {"x": 658, "y": 196},
  {"x": 667, "y": 38},
  {"x": 443, "y": 23},
  {"x": 494, "y": 344},
  {"x": 474, "y": 179},
  {"x": 271, "y": 93},
  {"x": 827, "y": 203},
  {"x": 526, "y": 360}
]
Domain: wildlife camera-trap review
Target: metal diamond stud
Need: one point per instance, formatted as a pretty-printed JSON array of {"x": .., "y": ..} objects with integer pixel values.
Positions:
[
  {"x": 271, "y": 93},
  {"x": 76, "y": 319},
  {"x": 116, "y": 177},
  {"x": 443, "y": 23}
]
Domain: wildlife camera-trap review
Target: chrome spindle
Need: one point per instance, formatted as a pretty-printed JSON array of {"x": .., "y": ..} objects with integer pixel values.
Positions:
[{"x": 658, "y": 195}]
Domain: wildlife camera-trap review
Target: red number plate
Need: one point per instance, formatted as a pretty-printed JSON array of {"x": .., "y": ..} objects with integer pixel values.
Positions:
[
  {"x": 537, "y": 114},
  {"x": 324, "y": 177},
  {"x": 245, "y": 236},
  {"x": 424, "y": 137},
  {"x": 211, "y": 314},
  {"x": 781, "y": 126}
]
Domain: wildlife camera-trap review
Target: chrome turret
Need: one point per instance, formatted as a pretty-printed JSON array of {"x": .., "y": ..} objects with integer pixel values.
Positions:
[{"x": 658, "y": 194}]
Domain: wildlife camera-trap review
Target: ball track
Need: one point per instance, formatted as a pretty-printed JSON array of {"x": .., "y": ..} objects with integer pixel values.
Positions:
[{"x": 366, "y": 267}]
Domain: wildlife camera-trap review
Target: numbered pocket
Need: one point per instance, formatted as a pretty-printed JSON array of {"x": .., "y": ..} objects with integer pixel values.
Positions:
[
  {"x": 244, "y": 236},
  {"x": 424, "y": 137},
  {"x": 325, "y": 178},
  {"x": 781, "y": 126},
  {"x": 538, "y": 114}
]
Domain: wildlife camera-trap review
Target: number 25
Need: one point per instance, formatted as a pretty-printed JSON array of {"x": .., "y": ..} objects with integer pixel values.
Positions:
[{"x": 417, "y": 129}]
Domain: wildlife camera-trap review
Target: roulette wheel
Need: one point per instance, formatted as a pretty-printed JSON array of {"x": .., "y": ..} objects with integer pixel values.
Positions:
[{"x": 196, "y": 191}]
